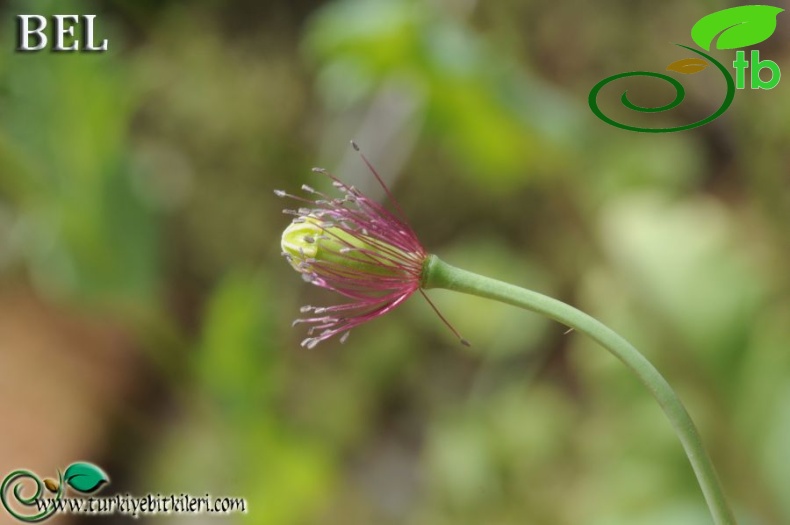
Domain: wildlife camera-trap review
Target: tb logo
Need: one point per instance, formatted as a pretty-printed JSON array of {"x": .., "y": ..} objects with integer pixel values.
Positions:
[
  {"x": 732, "y": 28},
  {"x": 757, "y": 65}
]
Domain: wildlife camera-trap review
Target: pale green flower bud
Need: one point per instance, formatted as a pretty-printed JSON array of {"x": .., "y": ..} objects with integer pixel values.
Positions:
[{"x": 315, "y": 248}]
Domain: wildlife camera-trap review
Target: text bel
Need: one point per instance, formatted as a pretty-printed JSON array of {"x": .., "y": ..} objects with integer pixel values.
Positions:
[{"x": 30, "y": 29}]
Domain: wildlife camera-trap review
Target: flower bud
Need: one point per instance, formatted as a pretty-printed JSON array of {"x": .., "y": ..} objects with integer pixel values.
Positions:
[
  {"x": 354, "y": 246},
  {"x": 318, "y": 248},
  {"x": 357, "y": 248}
]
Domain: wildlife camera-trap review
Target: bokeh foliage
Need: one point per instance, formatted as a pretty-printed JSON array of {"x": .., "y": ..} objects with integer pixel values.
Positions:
[{"x": 136, "y": 186}]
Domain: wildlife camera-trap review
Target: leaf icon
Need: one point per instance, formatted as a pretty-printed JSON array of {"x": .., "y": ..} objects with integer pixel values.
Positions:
[
  {"x": 688, "y": 66},
  {"x": 739, "y": 26},
  {"x": 52, "y": 485},
  {"x": 85, "y": 477}
]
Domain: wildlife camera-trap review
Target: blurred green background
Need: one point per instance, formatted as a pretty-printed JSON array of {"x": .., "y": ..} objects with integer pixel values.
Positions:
[{"x": 145, "y": 310}]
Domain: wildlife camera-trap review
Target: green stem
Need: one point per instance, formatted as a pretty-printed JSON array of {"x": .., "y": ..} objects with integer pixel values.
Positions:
[{"x": 438, "y": 274}]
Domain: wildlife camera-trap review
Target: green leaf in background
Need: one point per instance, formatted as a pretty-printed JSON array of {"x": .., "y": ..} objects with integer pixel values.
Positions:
[
  {"x": 86, "y": 229},
  {"x": 237, "y": 354},
  {"x": 243, "y": 446},
  {"x": 85, "y": 477},
  {"x": 714, "y": 321},
  {"x": 499, "y": 120},
  {"x": 739, "y": 26}
]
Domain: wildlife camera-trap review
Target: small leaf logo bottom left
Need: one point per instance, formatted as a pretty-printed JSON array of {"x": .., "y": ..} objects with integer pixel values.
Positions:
[{"x": 85, "y": 477}]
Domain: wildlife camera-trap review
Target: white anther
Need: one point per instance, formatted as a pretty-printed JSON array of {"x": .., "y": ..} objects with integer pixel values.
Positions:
[{"x": 310, "y": 343}]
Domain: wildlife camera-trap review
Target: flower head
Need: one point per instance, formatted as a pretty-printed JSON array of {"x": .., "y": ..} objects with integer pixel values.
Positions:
[{"x": 356, "y": 247}]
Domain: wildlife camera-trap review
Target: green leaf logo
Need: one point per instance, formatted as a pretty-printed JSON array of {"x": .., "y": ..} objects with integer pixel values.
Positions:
[
  {"x": 739, "y": 26},
  {"x": 85, "y": 477}
]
